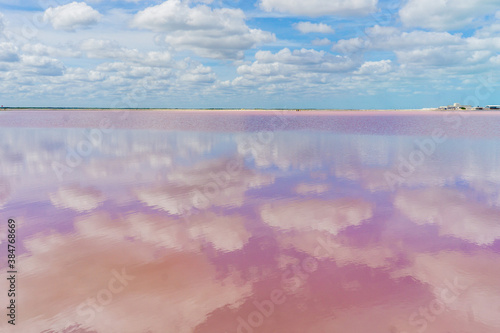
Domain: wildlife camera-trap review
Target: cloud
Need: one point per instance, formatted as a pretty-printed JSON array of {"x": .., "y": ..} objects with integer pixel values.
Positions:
[
  {"x": 392, "y": 39},
  {"x": 2, "y": 24},
  {"x": 199, "y": 74},
  {"x": 226, "y": 233},
  {"x": 375, "y": 67},
  {"x": 5, "y": 191},
  {"x": 110, "y": 49},
  {"x": 435, "y": 56},
  {"x": 452, "y": 212},
  {"x": 417, "y": 49},
  {"x": 444, "y": 14},
  {"x": 307, "y": 188},
  {"x": 44, "y": 66},
  {"x": 202, "y": 186},
  {"x": 212, "y": 33},
  {"x": 490, "y": 30},
  {"x": 78, "y": 198},
  {"x": 323, "y": 245},
  {"x": 8, "y": 52},
  {"x": 309, "y": 27},
  {"x": 292, "y": 67},
  {"x": 349, "y": 45},
  {"x": 105, "y": 48},
  {"x": 76, "y": 15},
  {"x": 474, "y": 275},
  {"x": 317, "y": 8},
  {"x": 89, "y": 264},
  {"x": 321, "y": 42},
  {"x": 297, "y": 57},
  {"x": 40, "y": 49},
  {"x": 287, "y": 150},
  {"x": 313, "y": 214}
]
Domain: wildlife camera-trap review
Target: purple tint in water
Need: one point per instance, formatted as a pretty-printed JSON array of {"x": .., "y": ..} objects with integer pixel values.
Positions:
[{"x": 264, "y": 222}]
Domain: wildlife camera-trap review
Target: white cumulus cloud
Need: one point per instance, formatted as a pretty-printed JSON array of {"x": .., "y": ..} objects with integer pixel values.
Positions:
[
  {"x": 375, "y": 67},
  {"x": 445, "y": 14},
  {"x": 44, "y": 66},
  {"x": 75, "y": 15},
  {"x": 321, "y": 42},
  {"x": 8, "y": 52},
  {"x": 286, "y": 66},
  {"x": 110, "y": 49},
  {"x": 77, "y": 198},
  {"x": 2, "y": 25},
  {"x": 317, "y": 8},
  {"x": 308, "y": 27},
  {"x": 213, "y": 33},
  {"x": 468, "y": 220},
  {"x": 331, "y": 216}
]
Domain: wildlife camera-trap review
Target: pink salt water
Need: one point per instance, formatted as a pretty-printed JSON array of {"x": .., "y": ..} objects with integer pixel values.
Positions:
[{"x": 249, "y": 222}]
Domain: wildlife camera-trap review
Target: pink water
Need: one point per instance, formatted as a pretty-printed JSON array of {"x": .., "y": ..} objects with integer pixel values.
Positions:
[{"x": 277, "y": 222}]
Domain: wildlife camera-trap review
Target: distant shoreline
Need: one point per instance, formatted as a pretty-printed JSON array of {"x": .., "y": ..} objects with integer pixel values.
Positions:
[
  {"x": 201, "y": 109},
  {"x": 233, "y": 110}
]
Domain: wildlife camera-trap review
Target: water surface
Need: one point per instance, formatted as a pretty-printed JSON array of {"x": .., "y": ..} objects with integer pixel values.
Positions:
[{"x": 213, "y": 222}]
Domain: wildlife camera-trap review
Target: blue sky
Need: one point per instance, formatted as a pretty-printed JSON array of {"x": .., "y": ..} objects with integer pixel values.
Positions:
[{"x": 249, "y": 54}]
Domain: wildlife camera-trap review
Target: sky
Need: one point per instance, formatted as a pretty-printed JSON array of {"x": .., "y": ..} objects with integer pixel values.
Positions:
[{"x": 249, "y": 54}]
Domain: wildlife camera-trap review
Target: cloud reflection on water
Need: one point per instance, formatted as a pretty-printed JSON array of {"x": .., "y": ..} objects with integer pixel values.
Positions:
[{"x": 208, "y": 227}]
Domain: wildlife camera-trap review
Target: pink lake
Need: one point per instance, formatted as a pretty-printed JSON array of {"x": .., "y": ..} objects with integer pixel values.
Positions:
[{"x": 251, "y": 222}]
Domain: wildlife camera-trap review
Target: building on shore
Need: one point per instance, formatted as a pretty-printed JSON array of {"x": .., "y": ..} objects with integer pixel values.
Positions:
[{"x": 456, "y": 106}]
